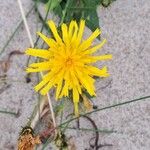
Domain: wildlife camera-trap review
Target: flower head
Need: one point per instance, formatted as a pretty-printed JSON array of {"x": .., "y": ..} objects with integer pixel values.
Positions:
[{"x": 68, "y": 62}]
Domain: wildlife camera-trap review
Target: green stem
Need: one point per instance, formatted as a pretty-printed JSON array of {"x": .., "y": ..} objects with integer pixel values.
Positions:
[
  {"x": 92, "y": 130},
  {"x": 64, "y": 12},
  {"x": 47, "y": 142},
  {"x": 81, "y": 8},
  {"x": 100, "y": 109},
  {"x": 8, "y": 112},
  {"x": 35, "y": 44}
]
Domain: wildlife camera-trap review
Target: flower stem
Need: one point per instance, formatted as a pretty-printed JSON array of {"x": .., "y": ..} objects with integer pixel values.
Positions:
[
  {"x": 64, "y": 12},
  {"x": 25, "y": 23},
  {"x": 107, "y": 107},
  {"x": 32, "y": 44},
  {"x": 44, "y": 20},
  {"x": 8, "y": 112}
]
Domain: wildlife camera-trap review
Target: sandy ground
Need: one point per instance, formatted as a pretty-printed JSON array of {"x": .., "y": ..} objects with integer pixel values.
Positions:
[{"x": 125, "y": 24}]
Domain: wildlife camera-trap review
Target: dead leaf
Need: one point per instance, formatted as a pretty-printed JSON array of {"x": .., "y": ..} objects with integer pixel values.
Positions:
[{"x": 27, "y": 141}]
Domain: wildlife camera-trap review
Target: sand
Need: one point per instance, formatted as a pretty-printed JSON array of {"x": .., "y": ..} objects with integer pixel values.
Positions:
[{"x": 125, "y": 24}]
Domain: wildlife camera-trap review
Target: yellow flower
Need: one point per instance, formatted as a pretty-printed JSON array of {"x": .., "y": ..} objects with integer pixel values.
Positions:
[{"x": 68, "y": 62}]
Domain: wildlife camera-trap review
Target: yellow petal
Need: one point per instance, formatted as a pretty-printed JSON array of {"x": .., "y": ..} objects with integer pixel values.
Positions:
[
  {"x": 65, "y": 35},
  {"x": 54, "y": 31},
  {"x": 92, "y": 59},
  {"x": 103, "y": 57},
  {"x": 87, "y": 43},
  {"x": 46, "y": 88},
  {"x": 94, "y": 35},
  {"x": 58, "y": 89},
  {"x": 29, "y": 70},
  {"x": 59, "y": 82},
  {"x": 98, "y": 72},
  {"x": 75, "y": 31},
  {"x": 49, "y": 41},
  {"x": 76, "y": 109},
  {"x": 75, "y": 80},
  {"x": 86, "y": 81},
  {"x": 54, "y": 77},
  {"x": 45, "y": 80},
  {"x": 95, "y": 48},
  {"x": 71, "y": 27},
  {"x": 81, "y": 30},
  {"x": 65, "y": 88},
  {"x": 76, "y": 101},
  {"x": 75, "y": 95},
  {"x": 37, "y": 67},
  {"x": 38, "y": 53}
]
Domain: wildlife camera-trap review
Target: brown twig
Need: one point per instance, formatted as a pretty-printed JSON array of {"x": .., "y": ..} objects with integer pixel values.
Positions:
[
  {"x": 6, "y": 63},
  {"x": 95, "y": 145}
]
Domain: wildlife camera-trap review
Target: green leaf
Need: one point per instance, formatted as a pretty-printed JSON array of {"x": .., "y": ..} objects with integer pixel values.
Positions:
[
  {"x": 59, "y": 108},
  {"x": 98, "y": 2},
  {"x": 106, "y": 3},
  {"x": 91, "y": 17},
  {"x": 53, "y": 3},
  {"x": 42, "y": 1},
  {"x": 58, "y": 10},
  {"x": 92, "y": 20},
  {"x": 69, "y": 13},
  {"x": 63, "y": 3}
]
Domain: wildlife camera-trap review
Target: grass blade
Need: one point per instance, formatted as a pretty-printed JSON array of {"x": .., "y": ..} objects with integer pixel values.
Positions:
[
  {"x": 8, "y": 112},
  {"x": 108, "y": 107}
]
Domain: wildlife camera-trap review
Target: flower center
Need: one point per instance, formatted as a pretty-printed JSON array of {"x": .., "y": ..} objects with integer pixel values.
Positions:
[{"x": 68, "y": 61}]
